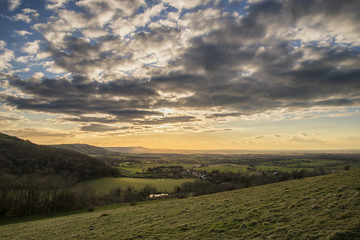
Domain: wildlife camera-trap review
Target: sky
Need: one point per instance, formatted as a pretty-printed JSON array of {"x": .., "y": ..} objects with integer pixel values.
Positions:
[{"x": 191, "y": 74}]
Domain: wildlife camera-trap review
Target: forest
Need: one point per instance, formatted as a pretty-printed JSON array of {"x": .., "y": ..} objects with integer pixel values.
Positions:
[{"x": 35, "y": 178}]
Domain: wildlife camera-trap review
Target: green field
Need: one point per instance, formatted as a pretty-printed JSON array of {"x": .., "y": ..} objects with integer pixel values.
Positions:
[
  {"x": 226, "y": 167},
  {"x": 323, "y": 207},
  {"x": 104, "y": 185},
  {"x": 138, "y": 165}
]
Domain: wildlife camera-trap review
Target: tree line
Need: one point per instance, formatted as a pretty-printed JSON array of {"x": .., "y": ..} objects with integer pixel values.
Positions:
[
  {"x": 217, "y": 181},
  {"x": 34, "y": 194}
]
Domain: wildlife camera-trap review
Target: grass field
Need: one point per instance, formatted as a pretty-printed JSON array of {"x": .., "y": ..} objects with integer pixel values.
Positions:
[
  {"x": 227, "y": 167},
  {"x": 323, "y": 207},
  {"x": 104, "y": 185},
  {"x": 232, "y": 164}
]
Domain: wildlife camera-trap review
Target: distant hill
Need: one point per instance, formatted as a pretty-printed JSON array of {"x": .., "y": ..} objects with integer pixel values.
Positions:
[
  {"x": 139, "y": 150},
  {"x": 323, "y": 207},
  {"x": 84, "y": 149},
  {"x": 132, "y": 150},
  {"x": 21, "y": 157}
]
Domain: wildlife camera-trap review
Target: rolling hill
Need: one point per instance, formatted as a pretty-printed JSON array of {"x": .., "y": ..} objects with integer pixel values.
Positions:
[
  {"x": 84, "y": 149},
  {"x": 323, "y": 207},
  {"x": 21, "y": 157},
  {"x": 131, "y": 150}
]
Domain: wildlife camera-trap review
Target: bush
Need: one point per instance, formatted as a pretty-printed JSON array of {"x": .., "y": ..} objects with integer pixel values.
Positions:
[{"x": 90, "y": 208}]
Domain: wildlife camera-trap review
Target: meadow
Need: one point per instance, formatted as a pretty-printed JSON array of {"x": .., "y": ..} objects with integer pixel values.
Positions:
[
  {"x": 104, "y": 185},
  {"x": 138, "y": 164},
  {"x": 322, "y": 207}
]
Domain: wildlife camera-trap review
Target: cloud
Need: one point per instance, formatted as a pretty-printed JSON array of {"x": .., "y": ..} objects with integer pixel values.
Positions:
[
  {"x": 186, "y": 3},
  {"x": 22, "y": 33},
  {"x": 28, "y": 133},
  {"x": 27, "y": 15},
  {"x": 168, "y": 120},
  {"x": 55, "y": 4},
  {"x": 13, "y": 4},
  {"x": 85, "y": 119},
  {"x": 31, "y": 47},
  {"x": 223, "y": 115},
  {"x": 126, "y": 59},
  {"x": 98, "y": 128},
  {"x": 7, "y": 121},
  {"x": 306, "y": 140},
  {"x": 6, "y": 55},
  {"x": 22, "y": 17}
]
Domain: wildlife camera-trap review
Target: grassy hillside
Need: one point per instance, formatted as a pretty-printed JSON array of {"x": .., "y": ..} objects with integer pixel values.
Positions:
[
  {"x": 84, "y": 149},
  {"x": 19, "y": 157},
  {"x": 104, "y": 185},
  {"x": 324, "y": 207}
]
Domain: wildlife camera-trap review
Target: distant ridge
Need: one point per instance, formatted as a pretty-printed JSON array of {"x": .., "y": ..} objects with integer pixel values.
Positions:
[
  {"x": 140, "y": 150},
  {"x": 83, "y": 148},
  {"x": 132, "y": 150}
]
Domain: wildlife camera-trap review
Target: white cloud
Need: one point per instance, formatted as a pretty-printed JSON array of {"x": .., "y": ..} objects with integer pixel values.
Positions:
[
  {"x": 22, "y": 17},
  {"x": 186, "y": 3},
  {"x": 22, "y": 59},
  {"x": 124, "y": 26},
  {"x": 13, "y": 4},
  {"x": 55, "y": 4},
  {"x": 38, "y": 75},
  {"x": 31, "y": 47},
  {"x": 26, "y": 16},
  {"x": 319, "y": 28},
  {"x": 29, "y": 11},
  {"x": 22, "y": 33},
  {"x": 2, "y": 45},
  {"x": 6, "y": 55}
]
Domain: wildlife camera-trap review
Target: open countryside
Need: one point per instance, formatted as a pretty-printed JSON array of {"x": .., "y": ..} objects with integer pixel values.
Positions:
[
  {"x": 180, "y": 119},
  {"x": 324, "y": 207}
]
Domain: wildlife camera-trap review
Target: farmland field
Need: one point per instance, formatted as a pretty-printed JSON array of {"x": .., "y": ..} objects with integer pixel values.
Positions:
[
  {"x": 104, "y": 185},
  {"x": 323, "y": 207},
  {"x": 138, "y": 165}
]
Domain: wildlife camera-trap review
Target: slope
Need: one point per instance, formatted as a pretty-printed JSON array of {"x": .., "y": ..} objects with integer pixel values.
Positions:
[
  {"x": 324, "y": 207},
  {"x": 136, "y": 150},
  {"x": 84, "y": 149},
  {"x": 20, "y": 157}
]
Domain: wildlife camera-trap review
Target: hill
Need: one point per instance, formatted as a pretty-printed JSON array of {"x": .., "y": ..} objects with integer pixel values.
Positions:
[
  {"x": 20, "y": 157},
  {"x": 323, "y": 207},
  {"x": 131, "y": 150},
  {"x": 84, "y": 149},
  {"x": 141, "y": 150}
]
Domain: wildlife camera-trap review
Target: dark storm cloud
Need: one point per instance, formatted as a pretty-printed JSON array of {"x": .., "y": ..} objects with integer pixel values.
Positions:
[
  {"x": 81, "y": 107},
  {"x": 82, "y": 88},
  {"x": 80, "y": 97}
]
